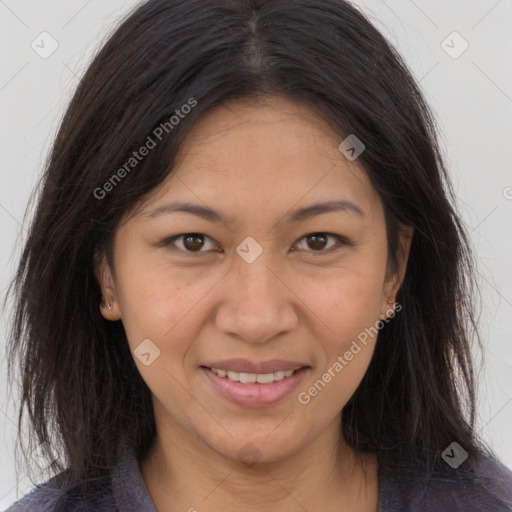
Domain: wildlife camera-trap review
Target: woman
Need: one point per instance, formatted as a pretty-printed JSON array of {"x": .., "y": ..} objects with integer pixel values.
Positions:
[{"x": 246, "y": 286}]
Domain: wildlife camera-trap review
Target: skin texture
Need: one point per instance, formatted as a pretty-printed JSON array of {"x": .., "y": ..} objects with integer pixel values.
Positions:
[{"x": 256, "y": 162}]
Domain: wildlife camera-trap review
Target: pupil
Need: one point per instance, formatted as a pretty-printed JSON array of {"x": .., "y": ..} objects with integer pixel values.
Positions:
[
  {"x": 196, "y": 241},
  {"x": 317, "y": 241}
]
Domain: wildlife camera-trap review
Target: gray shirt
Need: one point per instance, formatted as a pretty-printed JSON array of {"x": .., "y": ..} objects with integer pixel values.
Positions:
[{"x": 126, "y": 491}]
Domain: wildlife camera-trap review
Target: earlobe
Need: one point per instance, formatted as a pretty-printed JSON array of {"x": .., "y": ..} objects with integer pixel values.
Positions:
[
  {"x": 107, "y": 305},
  {"x": 388, "y": 308}
]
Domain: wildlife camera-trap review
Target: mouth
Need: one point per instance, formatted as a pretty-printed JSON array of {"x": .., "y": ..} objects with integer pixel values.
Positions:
[{"x": 253, "y": 390}]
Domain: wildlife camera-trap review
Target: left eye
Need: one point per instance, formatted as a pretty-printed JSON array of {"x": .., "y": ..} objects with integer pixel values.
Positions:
[
  {"x": 193, "y": 242},
  {"x": 317, "y": 241}
]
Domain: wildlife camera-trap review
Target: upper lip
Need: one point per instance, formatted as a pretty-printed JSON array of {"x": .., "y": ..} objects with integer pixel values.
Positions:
[{"x": 262, "y": 367}]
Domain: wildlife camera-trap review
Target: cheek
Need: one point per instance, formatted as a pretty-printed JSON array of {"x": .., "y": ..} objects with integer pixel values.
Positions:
[
  {"x": 346, "y": 300},
  {"x": 167, "y": 305},
  {"x": 153, "y": 299},
  {"x": 348, "y": 303},
  {"x": 160, "y": 312},
  {"x": 350, "y": 312}
]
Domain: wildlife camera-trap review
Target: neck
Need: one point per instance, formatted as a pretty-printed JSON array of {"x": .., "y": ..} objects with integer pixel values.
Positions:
[{"x": 182, "y": 473}]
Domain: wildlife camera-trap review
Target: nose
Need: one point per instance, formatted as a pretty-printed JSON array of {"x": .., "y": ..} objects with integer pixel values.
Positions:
[{"x": 257, "y": 302}]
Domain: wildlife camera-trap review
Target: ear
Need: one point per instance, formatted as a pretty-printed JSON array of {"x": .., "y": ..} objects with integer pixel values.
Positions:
[
  {"x": 105, "y": 277},
  {"x": 395, "y": 274}
]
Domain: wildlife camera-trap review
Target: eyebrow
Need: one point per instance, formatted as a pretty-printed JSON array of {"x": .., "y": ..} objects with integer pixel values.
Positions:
[{"x": 297, "y": 215}]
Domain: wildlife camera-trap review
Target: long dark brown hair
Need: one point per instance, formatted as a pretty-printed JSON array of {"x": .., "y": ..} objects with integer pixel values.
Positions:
[{"x": 79, "y": 383}]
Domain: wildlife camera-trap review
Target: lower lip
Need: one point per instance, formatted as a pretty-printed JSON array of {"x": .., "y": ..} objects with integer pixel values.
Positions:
[{"x": 255, "y": 394}]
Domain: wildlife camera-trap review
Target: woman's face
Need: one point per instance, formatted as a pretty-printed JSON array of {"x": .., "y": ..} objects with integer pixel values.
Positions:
[{"x": 246, "y": 289}]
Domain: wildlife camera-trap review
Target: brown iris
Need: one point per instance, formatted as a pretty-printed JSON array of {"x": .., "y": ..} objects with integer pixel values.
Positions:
[
  {"x": 193, "y": 241},
  {"x": 317, "y": 241}
]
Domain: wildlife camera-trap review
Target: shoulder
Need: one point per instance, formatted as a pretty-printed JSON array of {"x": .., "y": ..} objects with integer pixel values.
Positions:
[
  {"x": 43, "y": 498},
  {"x": 62, "y": 494},
  {"x": 488, "y": 488}
]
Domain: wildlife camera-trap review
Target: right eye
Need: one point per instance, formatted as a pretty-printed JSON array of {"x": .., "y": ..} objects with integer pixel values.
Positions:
[{"x": 190, "y": 243}]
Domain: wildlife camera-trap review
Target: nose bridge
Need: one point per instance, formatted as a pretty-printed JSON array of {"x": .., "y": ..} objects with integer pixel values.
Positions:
[{"x": 256, "y": 280}]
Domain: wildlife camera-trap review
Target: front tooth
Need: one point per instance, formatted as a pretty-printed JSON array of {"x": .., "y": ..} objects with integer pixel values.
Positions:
[
  {"x": 233, "y": 375},
  {"x": 250, "y": 378},
  {"x": 265, "y": 378},
  {"x": 247, "y": 378}
]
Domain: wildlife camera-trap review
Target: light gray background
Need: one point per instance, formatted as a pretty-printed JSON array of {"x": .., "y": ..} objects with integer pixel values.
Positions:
[{"x": 471, "y": 96}]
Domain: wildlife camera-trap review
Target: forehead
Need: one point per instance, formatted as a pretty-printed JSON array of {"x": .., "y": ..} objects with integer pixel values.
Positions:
[{"x": 249, "y": 154}]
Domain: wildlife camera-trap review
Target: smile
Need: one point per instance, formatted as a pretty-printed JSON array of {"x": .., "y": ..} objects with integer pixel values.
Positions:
[
  {"x": 253, "y": 389},
  {"x": 251, "y": 378}
]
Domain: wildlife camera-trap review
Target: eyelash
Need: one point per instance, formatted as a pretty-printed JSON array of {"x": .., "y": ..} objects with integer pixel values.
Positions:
[{"x": 342, "y": 241}]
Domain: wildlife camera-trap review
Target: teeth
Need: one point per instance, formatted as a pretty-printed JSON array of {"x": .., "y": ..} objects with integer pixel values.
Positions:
[{"x": 249, "y": 378}]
